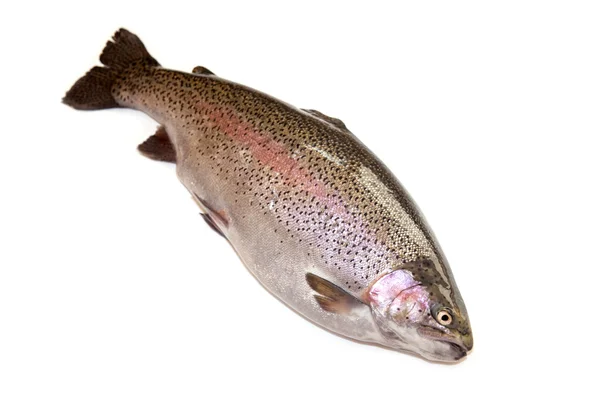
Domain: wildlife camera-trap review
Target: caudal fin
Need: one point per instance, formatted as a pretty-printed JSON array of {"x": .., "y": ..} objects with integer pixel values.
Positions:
[{"x": 94, "y": 90}]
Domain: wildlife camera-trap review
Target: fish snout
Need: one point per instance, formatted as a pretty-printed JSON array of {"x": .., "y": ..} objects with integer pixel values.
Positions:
[
  {"x": 462, "y": 342},
  {"x": 461, "y": 345},
  {"x": 467, "y": 341}
]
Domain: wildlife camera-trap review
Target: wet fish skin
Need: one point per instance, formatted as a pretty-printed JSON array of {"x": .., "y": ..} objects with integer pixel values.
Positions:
[{"x": 315, "y": 216}]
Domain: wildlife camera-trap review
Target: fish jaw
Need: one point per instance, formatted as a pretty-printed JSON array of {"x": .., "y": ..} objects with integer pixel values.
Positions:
[{"x": 451, "y": 347}]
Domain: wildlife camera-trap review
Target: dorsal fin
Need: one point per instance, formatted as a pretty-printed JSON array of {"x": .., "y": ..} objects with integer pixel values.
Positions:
[
  {"x": 201, "y": 71},
  {"x": 338, "y": 123},
  {"x": 159, "y": 147},
  {"x": 330, "y": 297}
]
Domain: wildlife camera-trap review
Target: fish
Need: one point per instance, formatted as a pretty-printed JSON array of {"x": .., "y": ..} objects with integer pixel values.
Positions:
[{"x": 314, "y": 215}]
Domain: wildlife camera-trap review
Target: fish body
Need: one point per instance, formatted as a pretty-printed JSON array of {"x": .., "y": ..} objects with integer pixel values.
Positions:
[{"x": 314, "y": 215}]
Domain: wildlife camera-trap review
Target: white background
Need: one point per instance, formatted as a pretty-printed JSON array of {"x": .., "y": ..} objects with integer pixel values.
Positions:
[{"x": 112, "y": 286}]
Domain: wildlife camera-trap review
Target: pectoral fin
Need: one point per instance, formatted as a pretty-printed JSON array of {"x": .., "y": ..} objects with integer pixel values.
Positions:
[{"x": 332, "y": 298}]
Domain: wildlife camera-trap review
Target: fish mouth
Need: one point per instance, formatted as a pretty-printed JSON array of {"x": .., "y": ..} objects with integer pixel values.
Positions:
[
  {"x": 459, "y": 351},
  {"x": 459, "y": 346}
]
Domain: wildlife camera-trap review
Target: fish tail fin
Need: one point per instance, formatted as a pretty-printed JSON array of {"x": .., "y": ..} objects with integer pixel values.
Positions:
[{"x": 94, "y": 90}]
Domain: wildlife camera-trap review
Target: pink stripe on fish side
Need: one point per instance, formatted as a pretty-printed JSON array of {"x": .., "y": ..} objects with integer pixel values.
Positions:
[{"x": 267, "y": 151}]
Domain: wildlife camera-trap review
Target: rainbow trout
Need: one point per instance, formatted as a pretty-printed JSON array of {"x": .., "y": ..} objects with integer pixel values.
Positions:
[{"x": 312, "y": 213}]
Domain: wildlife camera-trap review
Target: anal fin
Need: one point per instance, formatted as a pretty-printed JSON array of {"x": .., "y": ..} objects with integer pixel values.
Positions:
[
  {"x": 331, "y": 297},
  {"x": 159, "y": 147}
]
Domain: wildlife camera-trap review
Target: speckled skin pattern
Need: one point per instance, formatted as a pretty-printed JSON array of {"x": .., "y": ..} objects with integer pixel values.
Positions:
[{"x": 295, "y": 192}]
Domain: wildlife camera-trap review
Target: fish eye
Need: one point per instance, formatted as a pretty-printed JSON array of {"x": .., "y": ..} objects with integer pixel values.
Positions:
[{"x": 444, "y": 317}]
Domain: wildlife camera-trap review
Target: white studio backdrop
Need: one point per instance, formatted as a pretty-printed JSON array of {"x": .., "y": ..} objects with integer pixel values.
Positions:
[{"x": 112, "y": 286}]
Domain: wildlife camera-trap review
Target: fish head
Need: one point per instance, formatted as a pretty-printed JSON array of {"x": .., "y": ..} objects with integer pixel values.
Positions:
[{"x": 420, "y": 315}]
